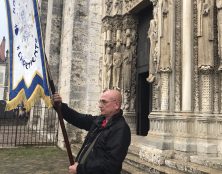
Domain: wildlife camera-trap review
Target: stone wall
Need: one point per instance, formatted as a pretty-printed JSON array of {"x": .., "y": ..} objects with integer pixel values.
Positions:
[{"x": 79, "y": 76}]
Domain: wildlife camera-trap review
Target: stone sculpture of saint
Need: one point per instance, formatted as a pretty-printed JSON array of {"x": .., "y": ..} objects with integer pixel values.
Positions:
[
  {"x": 117, "y": 62},
  {"x": 107, "y": 68},
  {"x": 219, "y": 26},
  {"x": 165, "y": 33},
  {"x": 118, "y": 7},
  {"x": 108, "y": 7},
  {"x": 205, "y": 33},
  {"x": 127, "y": 59},
  {"x": 152, "y": 34}
]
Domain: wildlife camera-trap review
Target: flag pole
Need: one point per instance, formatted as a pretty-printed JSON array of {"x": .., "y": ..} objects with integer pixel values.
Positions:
[{"x": 61, "y": 121}]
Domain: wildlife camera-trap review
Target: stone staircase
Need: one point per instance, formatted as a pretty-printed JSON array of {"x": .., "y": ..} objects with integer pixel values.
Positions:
[{"x": 134, "y": 165}]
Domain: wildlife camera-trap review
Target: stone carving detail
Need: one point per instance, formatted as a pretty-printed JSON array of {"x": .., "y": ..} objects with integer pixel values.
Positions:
[
  {"x": 205, "y": 33},
  {"x": 219, "y": 25},
  {"x": 117, "y": 62},
  {"x": 127, "y": 60},
  {"x": 153, "y": 35},
  {"x": 178, "y": 56},
  {"x": 118, "y": 7},
  {"x": 107, "y": 62},
  {"x": 207, "y": 95},
  {"x": 165, "y": 24},
  {"x": 129, "y": 56},
  {"x": 108, "y": 7},
  {"x": 164, "y": 91}
]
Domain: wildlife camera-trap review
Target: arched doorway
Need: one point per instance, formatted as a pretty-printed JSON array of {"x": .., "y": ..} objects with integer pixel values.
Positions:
[{"x": 143, "y": 92}]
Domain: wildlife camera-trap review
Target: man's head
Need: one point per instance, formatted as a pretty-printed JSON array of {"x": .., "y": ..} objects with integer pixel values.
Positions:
[{"x": 110, "y": 103}]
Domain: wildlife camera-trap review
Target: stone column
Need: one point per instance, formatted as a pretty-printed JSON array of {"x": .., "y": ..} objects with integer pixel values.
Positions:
[
  {"x": 187, "y": 42},
  {"x": 65, "y": 62},
  {"x": 129, "y": 70},
  {"x": 165, "y": 59}
]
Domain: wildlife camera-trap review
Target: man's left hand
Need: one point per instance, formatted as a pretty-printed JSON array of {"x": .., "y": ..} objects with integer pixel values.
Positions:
[{"x": 73, "y": 168}]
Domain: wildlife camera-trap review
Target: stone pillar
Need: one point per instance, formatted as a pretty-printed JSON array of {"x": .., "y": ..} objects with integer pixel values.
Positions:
[
  {"x": 187, "y": 42},
  {"x": 53, "y": 33},
  {"x": 129, "y": 70}
]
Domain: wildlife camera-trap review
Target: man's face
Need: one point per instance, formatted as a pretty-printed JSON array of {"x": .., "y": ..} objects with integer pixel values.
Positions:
[{"x": 108, "y": 104}]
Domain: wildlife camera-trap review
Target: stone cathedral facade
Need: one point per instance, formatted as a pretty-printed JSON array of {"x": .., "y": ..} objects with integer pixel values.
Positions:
[{"x": 176, "y": 47}]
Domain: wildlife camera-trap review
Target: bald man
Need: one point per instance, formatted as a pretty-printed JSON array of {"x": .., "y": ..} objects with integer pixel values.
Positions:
[{"x": 106, "y": 144}]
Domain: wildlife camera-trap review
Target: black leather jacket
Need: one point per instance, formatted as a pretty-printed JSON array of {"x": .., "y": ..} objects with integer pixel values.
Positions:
[{"x": 111, "y": 146}]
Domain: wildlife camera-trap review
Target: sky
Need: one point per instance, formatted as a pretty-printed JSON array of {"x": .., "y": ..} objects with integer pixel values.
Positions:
[{"x": 3, "y": 23}]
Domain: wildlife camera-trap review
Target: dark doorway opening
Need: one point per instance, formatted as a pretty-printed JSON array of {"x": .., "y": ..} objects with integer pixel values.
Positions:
[
  {"x": 143, "y": 92},
  {"x": 144, "y": 104}
]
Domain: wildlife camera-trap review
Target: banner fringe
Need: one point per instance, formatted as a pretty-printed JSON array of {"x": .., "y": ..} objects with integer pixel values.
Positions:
[{"x": 37, "y": 94}]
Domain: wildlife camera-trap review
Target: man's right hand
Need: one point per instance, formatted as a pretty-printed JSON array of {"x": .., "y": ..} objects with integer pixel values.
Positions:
[{"x": 56, "y": 99}]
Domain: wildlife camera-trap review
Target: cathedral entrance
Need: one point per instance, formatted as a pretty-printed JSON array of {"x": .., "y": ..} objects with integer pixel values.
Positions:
[{"x": 143, "y": 92}]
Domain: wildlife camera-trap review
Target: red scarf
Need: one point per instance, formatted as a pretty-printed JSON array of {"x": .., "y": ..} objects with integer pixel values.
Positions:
[{"x": 104, "y": 122}]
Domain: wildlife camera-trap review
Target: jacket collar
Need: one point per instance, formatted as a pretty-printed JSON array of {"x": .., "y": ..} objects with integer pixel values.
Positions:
[{"x": 113, "y": 119}]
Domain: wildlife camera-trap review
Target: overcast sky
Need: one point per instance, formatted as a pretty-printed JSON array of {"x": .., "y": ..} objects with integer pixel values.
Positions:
[{"x": 3, "y": 22}]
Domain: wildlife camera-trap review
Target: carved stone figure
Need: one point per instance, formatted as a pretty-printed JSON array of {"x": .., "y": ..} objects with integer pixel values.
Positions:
[
  {"x": 117, "y": 62},
  {"x": 107, "y": 68},
  {"x": 127, "y": 59},
  {"x": 165, "y": 33},
  {"x": 219, "y": 25},
  {"x": 205, "y": 33},
  {"x": 108, "y": 7},
  {"x": 152, "y": 34},
  {"x": 118, "y": 7}
]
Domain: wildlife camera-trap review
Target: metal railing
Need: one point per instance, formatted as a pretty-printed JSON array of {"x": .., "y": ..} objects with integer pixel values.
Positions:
[{"x": 39, "y": 127}]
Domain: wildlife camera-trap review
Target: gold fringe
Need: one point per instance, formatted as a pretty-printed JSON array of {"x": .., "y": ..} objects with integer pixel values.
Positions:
[{"x": 36, "y": 95}]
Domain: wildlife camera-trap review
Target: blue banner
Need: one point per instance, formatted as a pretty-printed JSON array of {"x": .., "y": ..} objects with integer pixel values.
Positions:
[{"x": 28, "y": 79}]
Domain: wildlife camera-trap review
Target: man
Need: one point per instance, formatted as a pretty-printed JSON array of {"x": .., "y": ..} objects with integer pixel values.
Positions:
[{"x": 106, "y": 144}]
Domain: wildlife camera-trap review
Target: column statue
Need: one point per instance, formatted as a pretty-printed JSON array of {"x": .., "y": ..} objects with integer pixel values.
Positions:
[
  {"x": 165, "y": 34},
  {"x": 107, "y": 62},
  {"x": 117, "y": 62},
  {"x": 127, "y": 59},
  {"x": 152, "y": 35},
  {"x": 205, "y": 33},
  {"x": 118, "y": 7},
  {"x": 108, "y": 7}
]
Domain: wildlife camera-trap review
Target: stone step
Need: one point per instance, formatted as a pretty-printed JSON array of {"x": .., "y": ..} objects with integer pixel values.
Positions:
[
  {"x": 190, "y": 167},
  {"x": 212, "y": 162},
  {"x": 147, "y": 167},
  {"x": 128, "y": 169}
]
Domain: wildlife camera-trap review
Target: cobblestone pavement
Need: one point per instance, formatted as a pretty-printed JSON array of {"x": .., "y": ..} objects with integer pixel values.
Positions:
[{"x": 33, "y": 160}]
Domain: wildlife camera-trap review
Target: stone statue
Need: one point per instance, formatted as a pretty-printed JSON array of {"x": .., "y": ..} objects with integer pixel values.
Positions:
[
  {"x": 118, "y": 7},
  {"x": 219, "y": 25},
  {"x": 107, "y": 68},
  {"x": 205, "y": 33},
  {"x": 165, "y": 34},
  {"x": 117, "y": 62},
  {"x": 127, "y": 59},
  {"x": 108, "y": 7},
  {"x": 152, "y": 34}
]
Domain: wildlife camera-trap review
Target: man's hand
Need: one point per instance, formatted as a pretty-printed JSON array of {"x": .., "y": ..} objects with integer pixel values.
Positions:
[
  {"x": 73, "y": 168},
  {"x": 56, "y": 99}
]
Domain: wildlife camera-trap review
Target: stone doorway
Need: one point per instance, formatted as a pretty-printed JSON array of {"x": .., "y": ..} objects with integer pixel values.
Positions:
[{"x": 143, "y": 93}]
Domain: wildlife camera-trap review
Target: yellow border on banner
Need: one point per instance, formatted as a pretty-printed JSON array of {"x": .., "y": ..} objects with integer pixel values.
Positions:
[{"x": 36, "y": 95}]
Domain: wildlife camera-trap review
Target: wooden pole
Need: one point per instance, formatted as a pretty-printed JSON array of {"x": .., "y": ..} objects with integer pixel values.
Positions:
[{"x": 61, "y": 121}]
